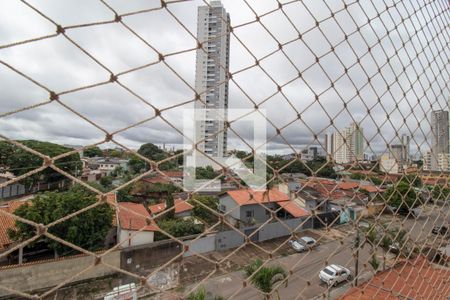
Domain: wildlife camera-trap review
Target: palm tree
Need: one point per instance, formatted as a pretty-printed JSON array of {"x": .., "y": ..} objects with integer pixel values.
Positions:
[{"x": 265, "y": 277}]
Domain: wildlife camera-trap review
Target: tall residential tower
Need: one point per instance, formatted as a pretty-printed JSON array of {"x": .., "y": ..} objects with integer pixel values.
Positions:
[
  {"x": 439, "y": 138},
  {"x": 211, "y": 78},
  {"x": 348, "y": 145}
]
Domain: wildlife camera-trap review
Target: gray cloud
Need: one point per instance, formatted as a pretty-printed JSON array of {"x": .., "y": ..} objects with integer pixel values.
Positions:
[{"x": 60, "y": 66}]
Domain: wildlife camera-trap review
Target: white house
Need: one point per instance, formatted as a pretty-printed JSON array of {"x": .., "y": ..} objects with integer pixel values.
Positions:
[{"x": 134, "y": 226}]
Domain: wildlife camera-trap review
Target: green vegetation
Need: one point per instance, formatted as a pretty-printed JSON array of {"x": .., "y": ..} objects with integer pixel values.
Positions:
[
  {"x": 177, "y": 228},
  {"x": 87, "y": 230},
  {"x": 106, "y": 182},
  {"x": 439, "y": 192},
  {"x": 265, "y": 277},
  {"x": 202, "y": 212},
  {"x": 402, "y": 196},
  {"x": 374, "y": 262},
  {"x": 373, "y": 179},
  {"x": 151, "y": 152},
  {"x": 200, "y": 294},
  {"x": 19, "y": 161},
  {"x": 205, "y": 173},
  {"x": 92, "y": 152}
]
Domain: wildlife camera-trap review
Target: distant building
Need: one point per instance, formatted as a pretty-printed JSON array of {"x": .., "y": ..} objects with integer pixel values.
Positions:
[
  {"x": 182, "y": 208},
  {"x": 105, "y": 164},
  {"x": 388, "y": 164},
  {"x": 439, "y": 138},
  {"x": 348, "y": 145},
  {"x": 248, "y": 207},
  {"x": 439, "y": 162},
  {"x": 12, "y": 190},
  {"x": 212, "y": 65},
  {"x": 310, "y": 153}
]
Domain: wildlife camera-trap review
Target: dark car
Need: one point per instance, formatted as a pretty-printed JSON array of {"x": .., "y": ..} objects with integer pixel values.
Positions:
[{"x": 440, "y": 230}]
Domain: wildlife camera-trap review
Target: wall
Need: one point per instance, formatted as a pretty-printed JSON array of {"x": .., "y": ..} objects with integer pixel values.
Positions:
[
  {"x": 202, "y": 245},
  {"x": 39, "y": 275},
  {"x": 141, "y": 238},
  {"x": 229, "y": 239},
  {"x": 278, "y": 229},
  {"x": 230, "y": 204},
  {"x": 12, "y": 190},
  {"x": 142, "y": 259}
]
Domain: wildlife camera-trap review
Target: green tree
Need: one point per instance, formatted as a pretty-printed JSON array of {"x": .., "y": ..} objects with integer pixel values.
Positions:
[
  {"x": 106, "y": 181},
  {"x": 412, "y": 180},
  {"x": 402, "y": 196},
  {"x": 19, "y": 161},
  {"x": 201, "y": 212},
  {"x": 92, "y": 152},
  {"x": 205, "y": 173},
  {"x": 439, "y": 192},
  {"x": 265, "y": 277},
  {"x": 170, "y": 214},
  {"x": 177, "y": 228},
  {"x": 152, "y": 152},
  {"x": 87, "y": 230}
]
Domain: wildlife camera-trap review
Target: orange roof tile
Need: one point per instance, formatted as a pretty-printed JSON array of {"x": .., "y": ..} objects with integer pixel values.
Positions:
[
  {"x": 348, "y": 185},
  {"x": 174, "y": 173},
  {"x": 7, "y": 222},
  {"x": 413, "y": 279},
  {"x": 134, "y": 216},
  {"x": 249, "y": 196},
  {"x": 370, "y": 188},
  {"x": 292, "y": 208},
  {"x": 180, "y": 206}
]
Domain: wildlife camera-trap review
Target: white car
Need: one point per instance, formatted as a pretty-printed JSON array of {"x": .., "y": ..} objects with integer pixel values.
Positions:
[
  {"x": 303, "y": 244},
  {"x": 335, "y": 274}
]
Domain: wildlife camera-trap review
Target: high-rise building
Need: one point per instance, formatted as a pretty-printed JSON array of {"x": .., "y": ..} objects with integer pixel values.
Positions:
[
  {"x": 348, "y": 144},
  {"x": 439, "y": 136},
  {"x": 406, "y": 140},
  {"x": 211, "y": 78}
]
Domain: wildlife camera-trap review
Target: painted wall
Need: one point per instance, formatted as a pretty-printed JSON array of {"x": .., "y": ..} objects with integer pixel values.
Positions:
[{"x": 139, "y": 238}]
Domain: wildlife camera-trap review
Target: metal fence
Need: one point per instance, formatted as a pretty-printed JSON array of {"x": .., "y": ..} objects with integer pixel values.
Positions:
[{"x": 314, "y": 66}]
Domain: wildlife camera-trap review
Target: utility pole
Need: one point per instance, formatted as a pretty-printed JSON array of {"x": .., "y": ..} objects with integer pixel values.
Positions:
[{"x": 357, "y": 256}]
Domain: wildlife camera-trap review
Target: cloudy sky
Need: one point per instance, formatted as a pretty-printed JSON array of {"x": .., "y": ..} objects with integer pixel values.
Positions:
[{"x": 405, "y": 87}]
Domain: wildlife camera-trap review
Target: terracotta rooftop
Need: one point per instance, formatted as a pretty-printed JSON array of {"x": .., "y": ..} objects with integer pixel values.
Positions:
[
  {"x": 348, "y": 185},
  {"x": 180, "y": 206},
  {"x": 413, "y": 279},
  {"x": 370, "y": 188},
  {"x": 292, "y": 208},
  {"x": 134, "y": 216},
  {"x": 174, "y": 173},
  {"x": 7, "y": 222},
  {"x": 249, "y": 196}
]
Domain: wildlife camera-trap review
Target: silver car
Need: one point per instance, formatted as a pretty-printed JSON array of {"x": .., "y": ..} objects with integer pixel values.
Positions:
[
  {"x": 334, "y": 274},
  {"x": 303, "y": 244}
]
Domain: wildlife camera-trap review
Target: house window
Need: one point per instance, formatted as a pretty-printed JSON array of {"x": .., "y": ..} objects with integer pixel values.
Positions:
[
  {"x": 222, "y": 208},
  {"x": 249, "y": 213}
]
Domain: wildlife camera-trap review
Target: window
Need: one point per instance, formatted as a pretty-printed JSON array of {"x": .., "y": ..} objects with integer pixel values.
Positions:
[
  {"x": 222, "y": 208},
  {"x": 249, "y": 213}
]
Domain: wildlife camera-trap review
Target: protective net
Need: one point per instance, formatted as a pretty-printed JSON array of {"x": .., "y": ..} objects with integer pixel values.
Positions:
[{"x": 353, "y": 96}]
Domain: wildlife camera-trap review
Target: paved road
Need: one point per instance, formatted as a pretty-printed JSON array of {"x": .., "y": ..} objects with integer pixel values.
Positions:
[
  {"x": 303, "y": 281},
  {"x": 305, "y": 268}
]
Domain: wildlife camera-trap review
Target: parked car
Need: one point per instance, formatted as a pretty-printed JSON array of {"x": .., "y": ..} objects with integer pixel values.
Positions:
[
  {"x": 303, "y": 244},
  {"x": 442, "y": 229},
  {"x": 394, "y": 248},
  {"x": 335, "y": 274}
]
